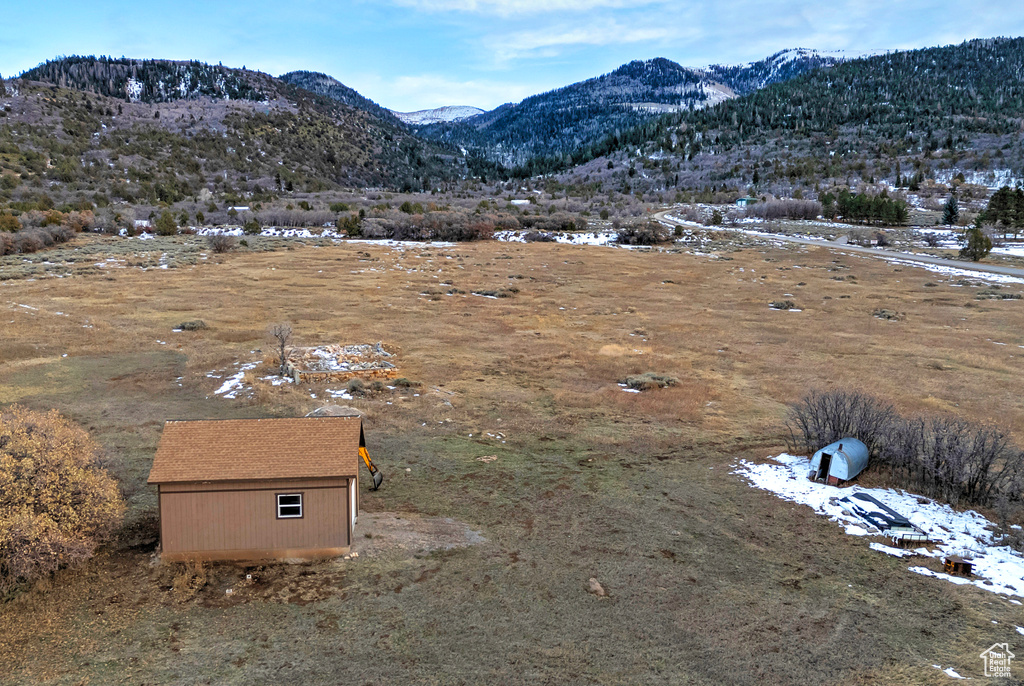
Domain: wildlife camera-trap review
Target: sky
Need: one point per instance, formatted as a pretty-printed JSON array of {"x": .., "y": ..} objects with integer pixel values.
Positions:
[{"x": 418, "y": 54}]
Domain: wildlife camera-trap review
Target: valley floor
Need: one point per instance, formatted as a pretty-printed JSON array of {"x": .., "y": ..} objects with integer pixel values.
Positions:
[{"x": 708, "y": 580}]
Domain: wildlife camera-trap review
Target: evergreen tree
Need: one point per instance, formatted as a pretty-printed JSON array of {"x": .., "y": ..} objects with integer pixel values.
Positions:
[
  {"x": 951, "y": 211},
  {"x": 165, "y": 224},
  {"x": 975, "y": 244}
]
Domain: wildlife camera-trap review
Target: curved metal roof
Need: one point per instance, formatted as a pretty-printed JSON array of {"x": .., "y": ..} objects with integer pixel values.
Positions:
[{"x": 849, "y": 458}]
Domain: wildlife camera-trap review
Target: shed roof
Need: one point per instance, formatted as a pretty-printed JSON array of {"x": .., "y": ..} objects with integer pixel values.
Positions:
[
  {"x": 257, "y": 449},
  {"x": 855, "y": 452}
]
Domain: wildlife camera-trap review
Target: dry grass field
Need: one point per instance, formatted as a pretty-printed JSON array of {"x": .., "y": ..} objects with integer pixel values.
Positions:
[{"x": 708, "y": 581}]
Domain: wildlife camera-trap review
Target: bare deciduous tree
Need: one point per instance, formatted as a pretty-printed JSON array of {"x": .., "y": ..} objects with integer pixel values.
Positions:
[
  {"x": 948, "y": 458},
  {"x": 282, "y": 335}
]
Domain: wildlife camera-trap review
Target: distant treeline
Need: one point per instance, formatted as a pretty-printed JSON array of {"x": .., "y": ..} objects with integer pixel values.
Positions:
[{"x": 861, "y": 207}]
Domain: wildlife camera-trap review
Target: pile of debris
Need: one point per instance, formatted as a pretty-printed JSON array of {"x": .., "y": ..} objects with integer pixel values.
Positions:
[
  {"x": 883, "y": 518},
  {"x": 331, "y": 363}
]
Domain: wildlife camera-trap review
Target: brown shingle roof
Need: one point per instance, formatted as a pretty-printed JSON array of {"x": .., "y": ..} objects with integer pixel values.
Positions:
[{"x": 247, "y": 449}]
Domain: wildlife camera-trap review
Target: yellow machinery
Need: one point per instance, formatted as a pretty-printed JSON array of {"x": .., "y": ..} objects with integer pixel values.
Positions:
[{"x": 378, "y": 478}]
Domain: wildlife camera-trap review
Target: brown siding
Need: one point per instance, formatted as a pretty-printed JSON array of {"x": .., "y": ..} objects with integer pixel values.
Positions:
[{"x": 238, "y": 520}]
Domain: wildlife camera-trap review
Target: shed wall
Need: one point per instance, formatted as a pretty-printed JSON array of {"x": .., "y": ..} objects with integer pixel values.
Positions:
[{"x": 238, "y": 520}]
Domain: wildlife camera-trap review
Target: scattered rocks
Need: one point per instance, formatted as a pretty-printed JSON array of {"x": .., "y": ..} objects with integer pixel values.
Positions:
[
  {"x": 597, "y": 589},
  {"x": 889, "y": 315}
]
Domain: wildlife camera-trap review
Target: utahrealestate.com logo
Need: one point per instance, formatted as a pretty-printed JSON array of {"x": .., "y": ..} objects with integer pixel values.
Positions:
[{"x": 997, "y": 660}]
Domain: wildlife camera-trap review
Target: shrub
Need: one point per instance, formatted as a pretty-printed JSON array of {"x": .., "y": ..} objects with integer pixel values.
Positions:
[
  {"x": 80, "y": 221},
  {"x": 356, "y": 386},
  {"x": 889, "y": 315},
  {"x": 823, "y": 417},
  {"x": 56, "y": 503},
  {"x": 166, "y": 225},
  {"x": 650, "y": 233},
  {"x": 219, "y": 243},
  {"x": 339, "y": 207},
  {"x": 9, "y": 223},
  {"x": 649, "y": 380},
  {"x": 782, "y": 305},
  {"x": 975, "y": 244},
  {"x": 251, "y": 227},
  {"x": 539, "y": 237},
  {"x": 785, "y": 209},
  {"x": 350, "y": 224},
  {"x": 189, "y": 579},
  {"x": 403, "y": 382},
  {"x": 192, "y": 325}
]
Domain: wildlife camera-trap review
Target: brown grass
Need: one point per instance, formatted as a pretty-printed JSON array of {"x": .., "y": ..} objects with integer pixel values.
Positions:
[{"x": 709, "y": 581}]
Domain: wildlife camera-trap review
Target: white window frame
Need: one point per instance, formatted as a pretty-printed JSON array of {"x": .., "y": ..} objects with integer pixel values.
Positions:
[{"x": 300, "y": 506}]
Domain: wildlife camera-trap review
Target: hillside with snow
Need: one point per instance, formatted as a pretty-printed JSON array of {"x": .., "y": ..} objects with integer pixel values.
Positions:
[
  {"x": 565, "y": 119},
  {"x": 439, "y": 115}
]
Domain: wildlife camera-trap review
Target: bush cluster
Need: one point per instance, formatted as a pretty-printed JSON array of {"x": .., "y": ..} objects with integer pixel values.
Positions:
[
  {"x": 948, "y": 458},
  {"x": 35, "y": 230},
  {"x": 788, "y": 208},
  {"x": 649, "y": 380},
  {"x": 437, "y": 226},
  {"x": 56, "y": 503},
  {"x": 650, "y": 233}
]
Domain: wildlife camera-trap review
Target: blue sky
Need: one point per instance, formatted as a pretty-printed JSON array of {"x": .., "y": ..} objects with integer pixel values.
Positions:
[{"x": 417, "y": 54}]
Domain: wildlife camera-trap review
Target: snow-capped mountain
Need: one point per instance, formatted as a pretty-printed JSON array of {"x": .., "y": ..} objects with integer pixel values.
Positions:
[
  {"x": 782, "y": 66},
  {"x": 571, "y": 117},
  {"x": 439, "y": 114}
]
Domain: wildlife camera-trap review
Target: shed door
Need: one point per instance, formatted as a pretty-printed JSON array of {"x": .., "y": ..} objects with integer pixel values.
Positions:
[{"x": 823, "y": 466}]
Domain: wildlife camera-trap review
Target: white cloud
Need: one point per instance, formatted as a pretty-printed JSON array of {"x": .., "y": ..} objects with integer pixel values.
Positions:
[{"x": 549, "y": 42}]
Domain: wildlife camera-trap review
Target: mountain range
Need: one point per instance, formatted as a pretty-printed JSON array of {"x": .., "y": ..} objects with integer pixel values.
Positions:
[
  {"x": 159, "y": 130},
  {"x": 565, "y": 119},
  {"x": 449, "y": 113}
]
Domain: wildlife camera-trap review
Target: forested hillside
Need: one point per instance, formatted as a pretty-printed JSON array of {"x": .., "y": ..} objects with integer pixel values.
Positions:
[
  {"x": 328, "y": 86},
  {"x": 73, "y": 127},
  {"x": 901, "y": 117},
  {"x": 566, "y": 119},
  {"x": 151, "y": 81}
]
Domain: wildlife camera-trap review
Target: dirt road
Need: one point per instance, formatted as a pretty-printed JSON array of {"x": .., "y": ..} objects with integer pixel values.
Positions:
[{"x": 879, "y": 252}]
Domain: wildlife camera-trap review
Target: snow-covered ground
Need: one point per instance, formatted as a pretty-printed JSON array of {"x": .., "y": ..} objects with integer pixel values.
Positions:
[
  {"x": 998, "y": 569},
  {"x": 439, "y": 114},
  {"x": 955, "y": 272},
  {"x": 233, "y": 386},
  {"x": 948, "y": 240},
  {"x": 584, "y": 238},
  {"x": 993, "y": 179}
]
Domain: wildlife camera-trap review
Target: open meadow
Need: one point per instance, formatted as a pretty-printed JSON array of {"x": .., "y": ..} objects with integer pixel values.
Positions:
[{"x": 518, "y": 351}]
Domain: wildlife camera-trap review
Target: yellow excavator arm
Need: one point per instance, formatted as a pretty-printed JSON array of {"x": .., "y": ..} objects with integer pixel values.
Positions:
[{"x": 378, "y": 478}]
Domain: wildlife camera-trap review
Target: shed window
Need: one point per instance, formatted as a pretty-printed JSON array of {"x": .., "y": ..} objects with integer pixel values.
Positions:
[{"x": 289, "y": 505}]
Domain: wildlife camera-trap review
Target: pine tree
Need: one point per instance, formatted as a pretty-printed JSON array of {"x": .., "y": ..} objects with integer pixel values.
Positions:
[
  {"x": 951, "y": 211},
  {"x": 975, "y": 244}
]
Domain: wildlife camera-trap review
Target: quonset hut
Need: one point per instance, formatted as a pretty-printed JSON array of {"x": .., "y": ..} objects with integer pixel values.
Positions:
[{"x": 838, "y": 462}]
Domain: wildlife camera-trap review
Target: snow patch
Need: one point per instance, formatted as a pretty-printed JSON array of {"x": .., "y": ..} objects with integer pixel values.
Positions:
[
  {"x": 438, "y": 114},
  {"x": 998, "y": 569}
]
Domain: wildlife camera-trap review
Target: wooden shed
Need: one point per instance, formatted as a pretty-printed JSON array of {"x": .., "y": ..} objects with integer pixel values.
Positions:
[{"x": 258, "y": 489}]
